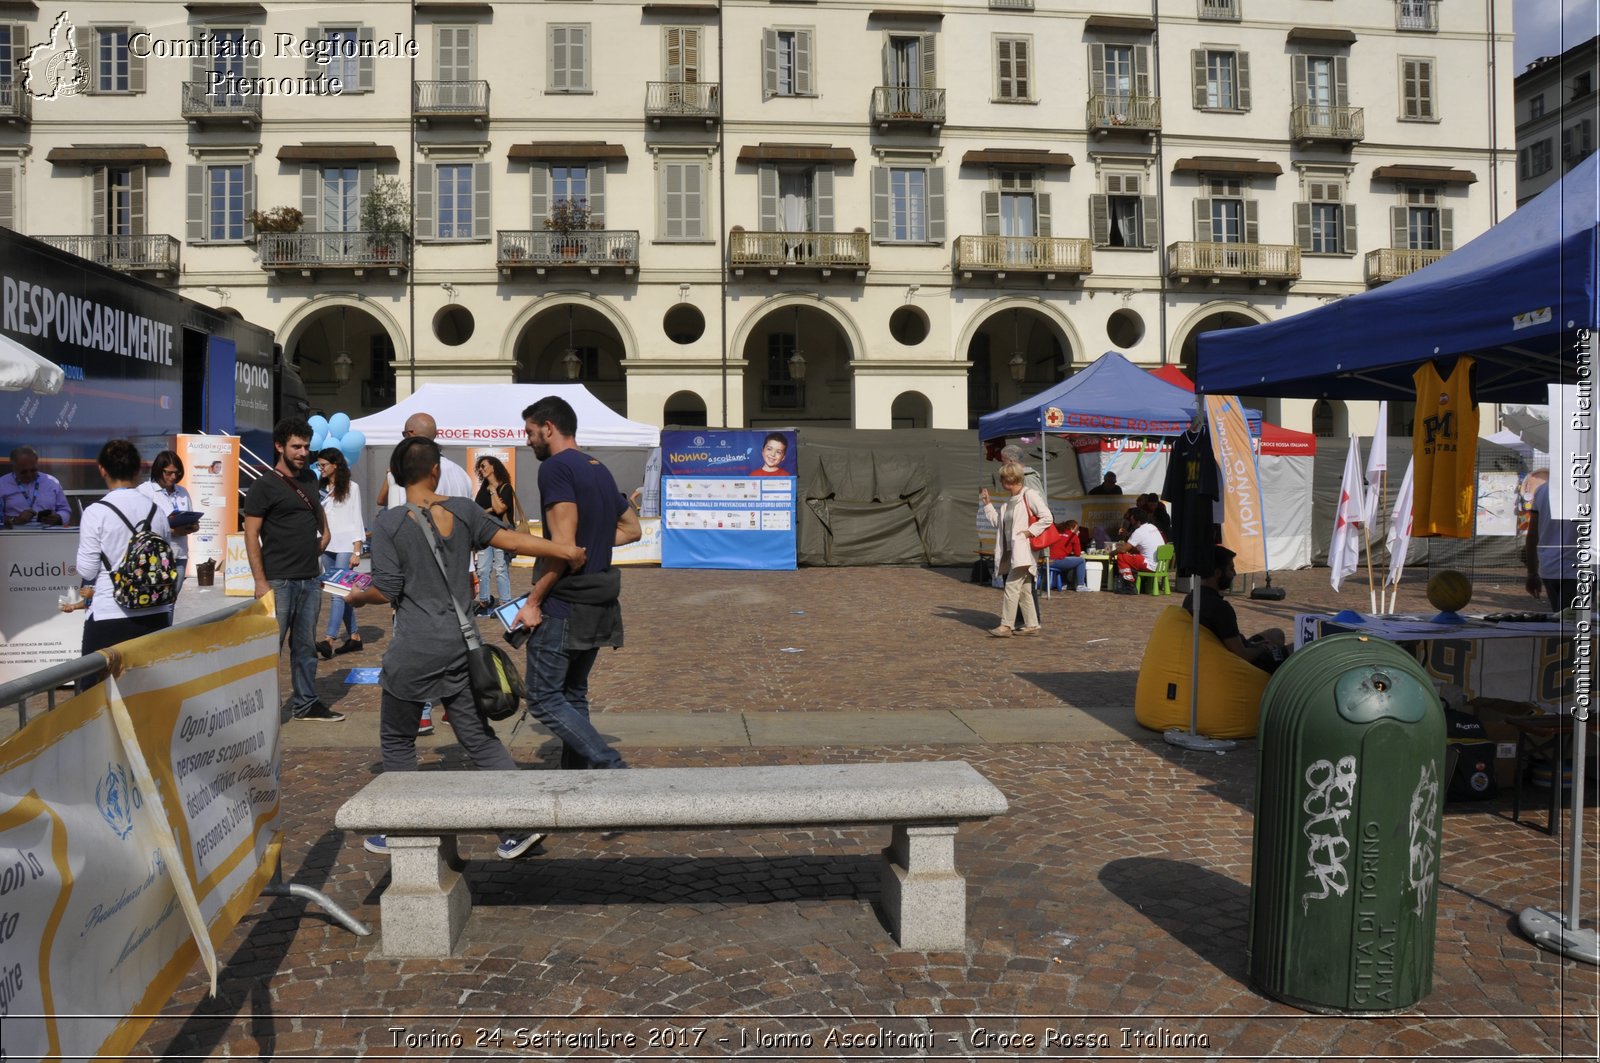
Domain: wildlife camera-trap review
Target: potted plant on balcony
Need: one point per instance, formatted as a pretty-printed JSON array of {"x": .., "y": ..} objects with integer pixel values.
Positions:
[
  {"x": 568, "y": 216},
  {"x": 276, "y": 220},
  {"x": 386, "y": 218}
]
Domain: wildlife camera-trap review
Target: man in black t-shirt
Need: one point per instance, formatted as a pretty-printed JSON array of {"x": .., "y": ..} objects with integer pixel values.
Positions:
[
  {"x": 1264, "y": 650},
  {"x": 285, "y": 532}
]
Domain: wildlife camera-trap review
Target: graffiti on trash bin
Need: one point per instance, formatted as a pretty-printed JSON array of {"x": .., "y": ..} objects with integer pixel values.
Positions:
[
  {"x": 1327, "y": 804},
  {"x": 1422, "y": 868}
]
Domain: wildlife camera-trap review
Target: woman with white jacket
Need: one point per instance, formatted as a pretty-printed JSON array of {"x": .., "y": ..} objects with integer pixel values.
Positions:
[{"x": 1017, "y": 518}]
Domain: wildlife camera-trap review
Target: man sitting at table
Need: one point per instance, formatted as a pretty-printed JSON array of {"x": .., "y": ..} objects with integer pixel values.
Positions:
[
  {"x": 1266, "y": 649},
  {"x": 1136, "y": 553}
]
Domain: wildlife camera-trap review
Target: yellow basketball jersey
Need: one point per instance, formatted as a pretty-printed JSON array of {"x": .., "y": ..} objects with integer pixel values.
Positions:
[{"x": 1444, "y": 442}]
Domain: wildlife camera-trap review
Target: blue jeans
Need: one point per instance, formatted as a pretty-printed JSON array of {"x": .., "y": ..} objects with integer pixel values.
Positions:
[
  {"x": 298, "y": 602},
  {"x": 339, "y": 610},
  {"x": 558, "y": 696},
  {"x": 1073, "y": 565},
  {"x": 494, "y": 564}
]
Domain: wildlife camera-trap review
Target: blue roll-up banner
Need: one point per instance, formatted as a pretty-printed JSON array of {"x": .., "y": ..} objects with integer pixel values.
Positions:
[
  {"x": 221, "y": 368},
  {"x": 728, "y": 498}
]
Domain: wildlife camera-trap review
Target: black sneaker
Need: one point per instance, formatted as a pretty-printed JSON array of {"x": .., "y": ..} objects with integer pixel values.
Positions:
[{"x": 320, "y": 713}]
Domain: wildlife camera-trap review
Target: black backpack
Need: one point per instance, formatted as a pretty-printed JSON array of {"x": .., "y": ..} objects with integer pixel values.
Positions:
[{"x": 147, "y": 578}]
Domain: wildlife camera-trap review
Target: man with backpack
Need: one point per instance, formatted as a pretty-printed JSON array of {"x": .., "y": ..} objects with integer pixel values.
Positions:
[
  {"x": 125, "y": 550},
  {"x": 285, "y": 533}
]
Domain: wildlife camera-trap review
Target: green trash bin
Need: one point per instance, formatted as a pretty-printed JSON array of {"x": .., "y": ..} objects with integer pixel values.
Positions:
[{"x": 1349, "y": 806}]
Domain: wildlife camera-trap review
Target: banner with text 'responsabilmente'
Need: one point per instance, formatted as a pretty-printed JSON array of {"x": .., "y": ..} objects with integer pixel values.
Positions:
[{"x": 138, "y": 823}]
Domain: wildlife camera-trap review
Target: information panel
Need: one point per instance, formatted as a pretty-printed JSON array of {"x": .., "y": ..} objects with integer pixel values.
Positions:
[{"x": 728, "y": 499}]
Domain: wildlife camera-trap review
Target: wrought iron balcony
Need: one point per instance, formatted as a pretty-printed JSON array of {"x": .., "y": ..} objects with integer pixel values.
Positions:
[
  {"x": 1109, "y": 111},
  {"x": 450, "y": 101},
  {"x": 542, "y": 250},
  {"x": 687, "y": 101},
  {"x": 355, "y": 251},
  {"x": 16, "y": 106},
  {"x": 202, "y": 106},
  {"x": 1391, "y": 263},
  {"x": 1348, "y": 125},
  {"x": 903, "y": 105},
  {"x": 778, "y": 251},
  {"x": 1000, "y": 255},
  {"x": 1220, "y": 10},
  {"x": 1417, "y": 16},
  {"x": 1192, "y": 260},
  {"x": 155, "y": 254}
]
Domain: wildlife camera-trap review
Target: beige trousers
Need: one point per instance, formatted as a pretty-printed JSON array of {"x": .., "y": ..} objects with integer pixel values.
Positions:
[{"x": 1019, "y": 589}]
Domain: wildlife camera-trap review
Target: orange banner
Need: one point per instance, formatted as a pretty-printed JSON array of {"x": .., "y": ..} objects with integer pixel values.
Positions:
[
  {"x": 211, "y": 475},
  {"x": 1243, "y": 525}
]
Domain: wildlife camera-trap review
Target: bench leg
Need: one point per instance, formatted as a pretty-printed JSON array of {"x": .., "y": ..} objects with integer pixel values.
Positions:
[
  {"x": 426, "y": 905},
  {"x": 924, "y": 899}
]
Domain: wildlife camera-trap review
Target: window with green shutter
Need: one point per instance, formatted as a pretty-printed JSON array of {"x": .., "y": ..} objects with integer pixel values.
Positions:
[
  {"x": 786, "y": 58},
  {"x": 1013, "y": 68},
  {"x": 682, "y": 199},
  {"x": 1416, "y": 89},
  {"x": 568, "y": 58}
]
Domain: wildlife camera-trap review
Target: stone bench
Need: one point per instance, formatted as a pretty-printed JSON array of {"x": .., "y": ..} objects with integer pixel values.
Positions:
[{"x": 426, "y": 905}]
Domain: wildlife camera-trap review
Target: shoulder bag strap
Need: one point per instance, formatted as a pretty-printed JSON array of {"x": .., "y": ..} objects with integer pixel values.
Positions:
[
  {"x": 469, "y": 630},
  {"x": 105, "y": 562}
]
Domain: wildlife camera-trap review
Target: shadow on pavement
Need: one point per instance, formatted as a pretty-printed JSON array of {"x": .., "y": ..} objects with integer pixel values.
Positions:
[
  {"x": 245, "y": 979},
  {"x": 1087, "y": 688},
  {"x": 977, "y": 618},
  {"x": 672, "y": 880},
  {"x": 1205, "y": 912}
]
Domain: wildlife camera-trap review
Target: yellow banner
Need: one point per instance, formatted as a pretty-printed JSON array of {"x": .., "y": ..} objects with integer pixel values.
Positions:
[
  {"x": 1243, "y": 525},
  {"x": 138, "y": 824}
]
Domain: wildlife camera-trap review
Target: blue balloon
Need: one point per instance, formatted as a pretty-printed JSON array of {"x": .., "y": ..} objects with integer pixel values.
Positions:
[
  {"x": 318, "y": 441},
  {"x": 317, "y": 422},
  {"x": 353, "y": 440},
  {"x": 352, "y": 452},
  {"x": 338, "y": 425}
]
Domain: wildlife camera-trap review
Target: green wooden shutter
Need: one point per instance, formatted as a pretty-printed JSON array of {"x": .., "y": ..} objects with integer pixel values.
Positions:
[
  {"x": 1300, "y": 77},
  {"x": 366, "y": 178},
  {"x": 929, "y": 74},
  {"x": 1041, "y": 206},
  {"x": 1202, "y": 220},
  {"x": 425, "y": 211},
  {"x": 802, "y": 63},
  {"x": 1150, "y": 221},
  {"x": 252, "y": 62},
  {"x": 1097, "y": 69},
  {"x": 539, "y": 210},
  {"x": 767, "y": 199},
  {"x": 1302, "y": 225},
  {"x": 364, "y": 63},
  {"x": 1399, "y": 231},
  {"x": 1197, "y": 60},
  {"x": 991, "y": 213},
  {"x": 313, "y": 34},
  {"x": 1252, "y": 228},
  {"x": 195, "y": 202},
  {"x": 936, "y": 204},
  {"x": 1141, "y": 70},
  {"x": 482, "y": 205},
  {"x": 1348, "y": 242},
  {"x": 1100, "y": 220},
  {"x": 1341, "y": 81},
  {"x": 769, "y": 63},
  {"x": 880, "y": 203},
  {"x": 97, "y": 208},
  {"x": 200, "y": 64},
  {"x": 1447, "y": 229},
  {"x": 1242, "y": 76},
  {"x": 249, "y": 192},
  {"x": 8, "y": 196},
  {"x": 136, "y": 64},
  {"x": 136, "y": 201},
  {"x": 822, "y": 190},
  {"x": 311, "y": 197},
  {"x": 694, "y": 220},
  {"x": 597, "y": 194}
]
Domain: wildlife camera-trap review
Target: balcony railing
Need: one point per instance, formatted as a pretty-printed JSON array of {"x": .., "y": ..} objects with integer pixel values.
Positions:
[
  {"x": 1023, "y": 254},
  {"x": 783, "y": 394},
  {"x": 1110, "y": 111},
  {"x": 902, "y": 103},
  {"x": 1220, "y": 10},
  {"x": 200, "y": 105},
  {"x": 145, "y": 253},
  {"x": 774, "y": 251},
  {"x": 689, "y": 100},
  {"x": 1391, "y": 263},
  {"x": 592, "y": 249},
  {"x": 466, "y": 100},
  {"x": 1011, "y": 5},
  {"x": 1319, "y": 122},
  {"x": 1257, "y": 262},
  {"x": 1417, "y": 16},
  {"x": 15, "y": 105},
  {"x": 355, "y": 251}
]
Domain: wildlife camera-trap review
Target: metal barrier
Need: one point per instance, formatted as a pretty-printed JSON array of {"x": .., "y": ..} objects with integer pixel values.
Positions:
[{"x": 47, "y": 681}]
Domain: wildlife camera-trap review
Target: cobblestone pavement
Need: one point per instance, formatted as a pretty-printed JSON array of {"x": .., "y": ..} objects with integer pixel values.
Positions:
[{"x": 1108, "y": 910}]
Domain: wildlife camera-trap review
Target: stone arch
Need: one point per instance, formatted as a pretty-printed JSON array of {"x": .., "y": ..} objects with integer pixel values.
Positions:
[
  {"x": 294, "y": 325},
  {"x": 554, "y": 300},
  {"x": 1065, "y": 332},
  {"x": 680, "y": 408},
  {"x": 316, "y": 330},
  {"x": 911, "y": 409},
  {"x": 1229, "y": 314},
  {"x": 747, "y": 324}
]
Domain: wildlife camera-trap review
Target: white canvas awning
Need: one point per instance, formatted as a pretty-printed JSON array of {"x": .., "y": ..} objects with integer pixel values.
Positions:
[{"x": 476, "y": 415}]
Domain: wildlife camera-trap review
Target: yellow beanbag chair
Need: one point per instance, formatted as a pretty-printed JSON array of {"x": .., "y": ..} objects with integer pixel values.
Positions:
[{"x": 1230, "y": 688}]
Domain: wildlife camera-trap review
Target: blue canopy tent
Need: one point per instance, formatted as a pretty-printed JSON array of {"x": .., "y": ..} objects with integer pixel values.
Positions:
[
  {"x": 1112, "y": 397},
  {"x": 1513, "y": 298},
  {"x": 1516, "y": 299}
]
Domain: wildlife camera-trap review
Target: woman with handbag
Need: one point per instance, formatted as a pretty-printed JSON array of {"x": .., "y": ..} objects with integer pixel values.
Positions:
[
  {"x": 419, "y": 563},
  {"x": 1021, "y": 521},
  {"x": 497, "y": 498}
]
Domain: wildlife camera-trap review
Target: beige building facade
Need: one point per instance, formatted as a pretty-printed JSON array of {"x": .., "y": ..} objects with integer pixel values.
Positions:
[
  {"x": 1558, "y": 112},
  {"x": 767, "y": 213}
]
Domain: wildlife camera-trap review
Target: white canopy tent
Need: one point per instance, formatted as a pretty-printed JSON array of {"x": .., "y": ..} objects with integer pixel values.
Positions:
[
  {"x": 21, "y": 369},
  {"x": 479, "y": 415}
]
